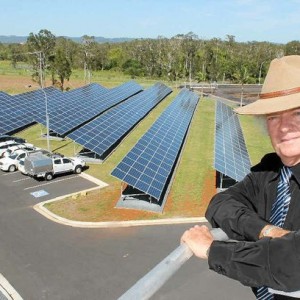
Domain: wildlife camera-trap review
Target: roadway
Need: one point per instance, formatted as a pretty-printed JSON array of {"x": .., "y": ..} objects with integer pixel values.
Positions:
[{"x": 46, "y": 260}]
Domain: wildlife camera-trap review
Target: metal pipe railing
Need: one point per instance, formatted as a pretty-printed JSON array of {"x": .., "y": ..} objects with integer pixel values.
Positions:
[{"x": 148, "y": 285}]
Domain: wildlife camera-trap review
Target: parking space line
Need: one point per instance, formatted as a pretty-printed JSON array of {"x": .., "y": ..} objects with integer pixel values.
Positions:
[
  {"x": 50, "y": 182},
  {"x": 18, "y": 180},
  {"x": 10, "y": 173}
]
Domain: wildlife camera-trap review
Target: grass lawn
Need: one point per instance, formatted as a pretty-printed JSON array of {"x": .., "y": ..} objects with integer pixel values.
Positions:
[{"x": 14, "y": 80}]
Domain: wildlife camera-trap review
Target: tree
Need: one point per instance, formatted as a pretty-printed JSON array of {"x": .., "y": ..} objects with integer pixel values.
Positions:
[
  {"x": 61, "y": 68},
  {"x": 292, "y": 48},
  {"x": 89, "y": 49},
  {"x": 42, "y": 46},
  {"x": 133, "y": 68},
  {"x": 16, "y": 53}
]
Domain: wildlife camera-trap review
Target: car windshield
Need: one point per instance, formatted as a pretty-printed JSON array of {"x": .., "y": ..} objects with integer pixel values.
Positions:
[{"x": 13, "y": 156}]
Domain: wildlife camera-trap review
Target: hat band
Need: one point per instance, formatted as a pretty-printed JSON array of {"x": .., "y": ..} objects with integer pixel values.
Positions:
[{"x": 280, "y": 93}]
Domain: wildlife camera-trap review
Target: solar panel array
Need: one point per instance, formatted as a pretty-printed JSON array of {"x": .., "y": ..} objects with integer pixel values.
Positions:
[
  {"x": 149, "y": 164},
  {"x": 86, "y": 105},
  {"x": 231, "y": 155},
  {"x": 102, "y": 133},
  {"x": 20, "y": 110},
  {"x": 63, "y": 101},
  {"x": 24, "y": 109}
]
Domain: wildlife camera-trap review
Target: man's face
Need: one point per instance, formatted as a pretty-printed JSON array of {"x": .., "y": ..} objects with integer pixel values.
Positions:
[{"x": 284, "y": 131}]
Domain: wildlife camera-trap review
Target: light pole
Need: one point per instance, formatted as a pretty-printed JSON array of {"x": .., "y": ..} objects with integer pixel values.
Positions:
[{"x": 47, "y": 115}]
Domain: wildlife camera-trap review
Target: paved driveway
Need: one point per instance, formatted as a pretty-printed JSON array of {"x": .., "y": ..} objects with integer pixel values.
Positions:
[{"x": 46, "y": 260}]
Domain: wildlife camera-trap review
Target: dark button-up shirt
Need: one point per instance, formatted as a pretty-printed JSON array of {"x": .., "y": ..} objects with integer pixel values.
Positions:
[{"x": 242, "y": 211}]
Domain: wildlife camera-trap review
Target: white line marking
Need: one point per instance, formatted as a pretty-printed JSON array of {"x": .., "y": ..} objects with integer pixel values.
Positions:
[
  {"x": 50, "y": 182},
  {"x": 9, "y": 173},
  {"x": 18, "y": 180}
]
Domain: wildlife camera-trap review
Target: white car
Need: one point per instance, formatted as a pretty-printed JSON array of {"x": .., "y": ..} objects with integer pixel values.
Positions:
[
  {"x": 6, "y": 145},
  {"x": 11, "y": 163},
  {"x": 21, "y": 167},
  {"x": 11, "y": 149}
]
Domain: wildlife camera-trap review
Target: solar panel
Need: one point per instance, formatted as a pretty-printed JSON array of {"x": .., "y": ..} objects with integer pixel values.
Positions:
[
  {"x": 60, "y": 103},
  {"x": 4, "y": 97},
  {"x": 24, "y": 109},
  {"x": 83, "y": 107},
  {"x": 19, "y": 110},
  {"x": 148, "y": 166},
  {"x": 102, "y": 133},
  {"x": 231, "y": 155}
]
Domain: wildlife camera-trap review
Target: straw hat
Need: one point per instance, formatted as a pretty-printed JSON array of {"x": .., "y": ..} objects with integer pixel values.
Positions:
[{"x": 281, "y": 88}]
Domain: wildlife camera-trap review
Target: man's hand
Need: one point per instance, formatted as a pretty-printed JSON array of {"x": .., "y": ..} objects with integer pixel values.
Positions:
[
  {"x": 198, "y": 239},
  {"x": 272, "y": 232}
]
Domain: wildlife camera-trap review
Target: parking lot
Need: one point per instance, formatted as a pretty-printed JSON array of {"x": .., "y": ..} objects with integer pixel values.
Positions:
[
  {"x": 31, "y": 191},
  {"x": 46, "y": 260}
]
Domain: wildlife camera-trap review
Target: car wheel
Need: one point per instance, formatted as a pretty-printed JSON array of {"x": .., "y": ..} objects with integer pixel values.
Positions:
[
  {"x": 12, "y": 168},
  {"x": 78, "y": 169},
  {"x": 49, "y": 176}
]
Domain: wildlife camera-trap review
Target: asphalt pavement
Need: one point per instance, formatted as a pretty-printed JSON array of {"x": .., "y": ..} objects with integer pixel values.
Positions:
[{"x": 43, "y": 259}]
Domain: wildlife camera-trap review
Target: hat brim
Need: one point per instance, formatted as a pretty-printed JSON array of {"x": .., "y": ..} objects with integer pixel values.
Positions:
[{"x": 271, "y": 105}]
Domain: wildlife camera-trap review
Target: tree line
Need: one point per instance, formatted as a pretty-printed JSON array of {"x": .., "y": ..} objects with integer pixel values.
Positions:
[{"x": 184, "y": 57}]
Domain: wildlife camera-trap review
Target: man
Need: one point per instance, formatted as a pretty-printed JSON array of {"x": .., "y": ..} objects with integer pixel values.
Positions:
[{"x": 262, "y": 212}]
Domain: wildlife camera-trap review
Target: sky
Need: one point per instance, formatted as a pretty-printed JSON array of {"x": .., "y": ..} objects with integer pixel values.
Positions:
[{"x": 274, "y": 21}]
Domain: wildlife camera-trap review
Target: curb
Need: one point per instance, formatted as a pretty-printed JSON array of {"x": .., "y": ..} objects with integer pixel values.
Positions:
[
  {"x": 40, "y": 208},
  {"x": 112, "y": 224},
  {"x": 7, "y": 290},
  {"x": 93, "y": 179}
]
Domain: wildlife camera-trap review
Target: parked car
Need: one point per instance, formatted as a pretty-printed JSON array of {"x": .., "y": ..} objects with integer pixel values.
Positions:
[
  {"x": 6, "y": 145},
  {"x": 11, "y": 149},
  {"x": 11, "y": 163},
  {"x": 6, "y": 138},
  {"x": 47, "y": 167},
  {"x": 21, "y": 167}
]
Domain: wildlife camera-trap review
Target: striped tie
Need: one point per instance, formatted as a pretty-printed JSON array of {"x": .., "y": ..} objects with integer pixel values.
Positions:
[{"x": 278, "y": 214}]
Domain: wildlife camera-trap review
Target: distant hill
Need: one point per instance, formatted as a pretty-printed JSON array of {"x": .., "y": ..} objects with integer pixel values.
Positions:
[{"x": 14, "y": 39}]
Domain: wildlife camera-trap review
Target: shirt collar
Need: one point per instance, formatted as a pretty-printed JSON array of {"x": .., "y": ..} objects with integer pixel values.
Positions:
[{"x": 296, "y": 172}]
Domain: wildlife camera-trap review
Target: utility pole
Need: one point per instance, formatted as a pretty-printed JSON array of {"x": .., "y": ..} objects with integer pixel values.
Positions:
[{"x": 39, "y": 55}]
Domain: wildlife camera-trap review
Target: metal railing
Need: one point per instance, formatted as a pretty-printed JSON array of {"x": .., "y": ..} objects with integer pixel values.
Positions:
[{"x": 148, "y": 285}]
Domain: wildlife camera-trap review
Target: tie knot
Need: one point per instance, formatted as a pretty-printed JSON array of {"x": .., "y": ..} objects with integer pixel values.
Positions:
[{"x": 286, "y": 174}]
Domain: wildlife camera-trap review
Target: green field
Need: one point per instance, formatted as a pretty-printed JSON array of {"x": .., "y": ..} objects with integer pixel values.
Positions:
[
  {"x": 194, "y": 175},
  {"x": 14, "y": 80}
]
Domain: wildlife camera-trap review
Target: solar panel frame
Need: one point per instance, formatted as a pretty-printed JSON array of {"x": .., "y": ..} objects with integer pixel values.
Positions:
[
  {"x": 231, "y": 155},
  {"x": 160, "y": 147}
]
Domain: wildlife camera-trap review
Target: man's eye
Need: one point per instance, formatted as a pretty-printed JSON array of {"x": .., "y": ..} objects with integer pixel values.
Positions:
[{"x": 272, "y": 118}]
